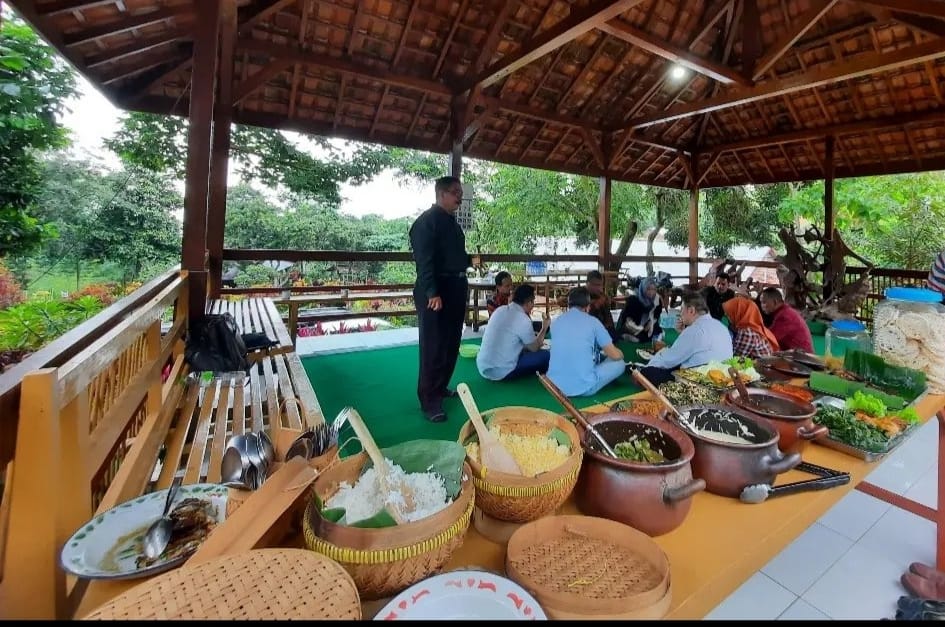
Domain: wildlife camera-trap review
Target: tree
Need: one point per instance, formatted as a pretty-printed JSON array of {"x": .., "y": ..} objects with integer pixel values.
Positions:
[
  {"x": 34, "y": 84},
  {"x": 159, "y": 143}
]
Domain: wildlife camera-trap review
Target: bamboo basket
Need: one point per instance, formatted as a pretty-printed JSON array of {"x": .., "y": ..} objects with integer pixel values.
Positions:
[
  {"x": 386, "y": 561},
  {"x": 584, "y": 567},
  {"x": 519, "y": 499}
]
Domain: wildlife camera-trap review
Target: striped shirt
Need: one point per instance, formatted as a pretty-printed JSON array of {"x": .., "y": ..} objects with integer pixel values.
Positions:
[{"x": 936, "y": 279}]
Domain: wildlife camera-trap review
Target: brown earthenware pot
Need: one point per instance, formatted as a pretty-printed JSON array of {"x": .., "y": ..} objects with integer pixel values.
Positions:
[
  {"x": 727, "y": 467},
  {"x": 654, "y": 498},
  {"x": 793, "y": 419}
]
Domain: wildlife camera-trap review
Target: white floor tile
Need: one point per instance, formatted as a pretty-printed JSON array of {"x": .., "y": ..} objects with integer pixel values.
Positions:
[
  {"x": 759, "y": 598},
  {"x": 805, "y": 560},
  {"x": 863, "y": 584},
  {"x": 902, "y": 537},
  {"x": 854, "y": 514},
  {"x": 802, "y": 610},
  {"x": 908, "y": 463},
  {"x": 925, "y": 490}
]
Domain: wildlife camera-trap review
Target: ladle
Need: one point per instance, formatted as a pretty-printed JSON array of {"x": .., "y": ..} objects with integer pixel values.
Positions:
[
  {"x": 159, "y": 533},
  {"x": 492, "y": 453},
  {"x": 743, "y": 394},
  {"x": 652, "y": 389},
  {"x": 382, "y": 467},
  {"x": 574, "y": 411}
]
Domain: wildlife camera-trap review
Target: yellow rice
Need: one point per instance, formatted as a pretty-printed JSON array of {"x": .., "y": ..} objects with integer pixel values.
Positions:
[{"x": 534, "y": 454}]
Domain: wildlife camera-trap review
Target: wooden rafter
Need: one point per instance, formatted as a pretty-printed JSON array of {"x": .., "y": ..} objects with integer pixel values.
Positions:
[
  {"x": 713, "y": 159},
  {"x": 582, "y": 75},
  {"x": 788, "y": 159},
  {"x": 796, "y": 30},
  {"x": 568, "y": 29},
  {"x": 260, "y": 78},
  {"x": 929, "y": 8},
  {"x": 257, "y": 15},
  {"x": 751, "y": 36},
  {"x": 659, "y": 47},
  {"x": 560, "y": 141},
  {"x": 912, "y": 147},
  {"x": 728, "y": 45},
  {"x": 296, "y": 54},
  {"x": 122, "y": 25},
  {"x": 403, "y": 32},
  {"x": 127, "y": 73},
  {"x": 449, "y": 37},
  {"x": 861, "y": 65},
  {"x": 380, "y": 109},
  {"x": 933, "y": 81},
  {"x": 341, "y": 101},
  {"x": 67, "y": 6},
  {"x": 416, "y": 116},
  {"x": 594, "y": 146},
  {"x": 138, "y": 47},
  {"x": 297, "y": 68}
]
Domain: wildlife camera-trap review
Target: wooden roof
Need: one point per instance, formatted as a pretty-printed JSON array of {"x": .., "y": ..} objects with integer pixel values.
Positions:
[{"x": 577, "y": 86}]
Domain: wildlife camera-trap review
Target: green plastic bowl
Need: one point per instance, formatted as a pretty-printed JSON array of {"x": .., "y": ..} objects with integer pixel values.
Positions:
[{"x": 469, "y": 350}]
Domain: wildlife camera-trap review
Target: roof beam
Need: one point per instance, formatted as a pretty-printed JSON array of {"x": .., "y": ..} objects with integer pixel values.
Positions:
[
  {"x": 296, "y": 54},
  {"x": 863, "y": 65},
  {"x": 66, "y": 6},
  {"x": 594, "y": 147},
  {"x": 929, "y": 8},
  {"x": 122, "y": 26},
  {"x": 137, "y": 47},
  {"x": 660, "y": 47},
  {"x": 260, "y": 78},
  {"x": 795, "y": 32},
  {"x": 852, "y": 128},
  {"x": 579, "y": 22},
  {"x": 272, "y": 7}
]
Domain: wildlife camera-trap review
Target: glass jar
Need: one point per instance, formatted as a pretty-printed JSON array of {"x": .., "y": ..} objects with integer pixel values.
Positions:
[
  {"x": 909, "y": 331},
  {"x": 844, "y": 335}
]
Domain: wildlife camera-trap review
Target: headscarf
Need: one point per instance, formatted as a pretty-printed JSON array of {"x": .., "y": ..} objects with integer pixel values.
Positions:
[
  {"x": 744, "y": 314},
  {"x": 641, "y": 292}
]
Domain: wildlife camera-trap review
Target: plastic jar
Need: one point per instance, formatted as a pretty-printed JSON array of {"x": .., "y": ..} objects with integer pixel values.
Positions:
[
  {"x": 844, "y": 335},
  {"x": 909, "y": 331}
]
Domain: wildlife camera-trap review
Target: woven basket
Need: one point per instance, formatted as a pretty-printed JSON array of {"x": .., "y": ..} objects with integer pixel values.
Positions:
[
  {"x": 519, "y": 499},
  {"x": 587, "y": 567},
  {"x": 386, "y": 561},
  {"x": 265, "y": 584}
]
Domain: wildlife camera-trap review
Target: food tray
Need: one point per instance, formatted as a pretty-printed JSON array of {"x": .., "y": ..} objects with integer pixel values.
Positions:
[
  {"x": 711, "y": 386},
  {"x": 855, "y": 451}
]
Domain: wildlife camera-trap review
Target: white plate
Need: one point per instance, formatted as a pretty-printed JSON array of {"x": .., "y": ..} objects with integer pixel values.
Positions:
[
  {"x": 463, "y": 594},
  {"x": 107, "y": 546}
]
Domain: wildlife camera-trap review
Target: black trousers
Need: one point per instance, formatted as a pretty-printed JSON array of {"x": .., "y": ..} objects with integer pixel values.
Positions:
[
  {"x": 440, "y": 335},
  {"x": 657, "y": 376}
]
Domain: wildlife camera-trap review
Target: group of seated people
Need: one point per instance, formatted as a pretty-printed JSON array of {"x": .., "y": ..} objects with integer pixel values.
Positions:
[{"x": 584, "y": 357}]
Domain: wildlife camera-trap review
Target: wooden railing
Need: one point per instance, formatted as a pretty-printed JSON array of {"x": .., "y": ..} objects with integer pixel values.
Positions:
[{"x": 880, "y": 280}]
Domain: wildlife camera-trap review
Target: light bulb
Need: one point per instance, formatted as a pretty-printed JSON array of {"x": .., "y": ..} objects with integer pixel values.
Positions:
[{"x": 678, "y": 72}]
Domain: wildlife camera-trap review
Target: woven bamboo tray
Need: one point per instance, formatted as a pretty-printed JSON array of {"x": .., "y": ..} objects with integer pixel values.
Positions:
[
  {"x": 386, "y": 561},
  {"x": 587, "y": 567},
  {"x": 266, "y": 584},
  {"x": 519, "y": 499}
]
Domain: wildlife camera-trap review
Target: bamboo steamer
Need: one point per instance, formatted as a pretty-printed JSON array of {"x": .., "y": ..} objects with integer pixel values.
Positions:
[
  {"x": 584, "y": 567},
  {"x": 386, "y": 561},
  {"x": 518, "y": 499}
]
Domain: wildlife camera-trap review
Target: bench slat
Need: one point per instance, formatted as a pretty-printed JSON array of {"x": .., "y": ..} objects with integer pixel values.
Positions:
[
  {"x": 219, "y": 431},
  {"x": 199, "y": 444},
  {"x": 255, "y": 394},
  {"x": 177, "y": 437},
  {"x": 239, "y": 407},
  {"x": 281, "y": 331},
  {"x": 304, "y": 390},
  {"x": 287, "y": 392}
]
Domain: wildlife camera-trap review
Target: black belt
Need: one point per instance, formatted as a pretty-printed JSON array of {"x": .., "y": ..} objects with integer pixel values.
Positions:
[{"x": 453, "y": 275}]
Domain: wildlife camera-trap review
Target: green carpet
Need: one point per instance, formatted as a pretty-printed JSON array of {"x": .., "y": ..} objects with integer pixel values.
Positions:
[{"x": 382, "y": 385}]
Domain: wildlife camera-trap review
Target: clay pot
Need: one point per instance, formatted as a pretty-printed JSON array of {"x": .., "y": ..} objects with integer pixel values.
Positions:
[
  {"x": 654, "y": 498},
  {"x": 793, "y": 419},
  {"x": 727, "y": 467}
]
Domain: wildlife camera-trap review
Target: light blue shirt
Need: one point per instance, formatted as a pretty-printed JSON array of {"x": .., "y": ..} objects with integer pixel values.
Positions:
[
  {"x": 577, "y": 338},
  {"x": 508, "y": 332},
  {"x": 703, "y": 341}
]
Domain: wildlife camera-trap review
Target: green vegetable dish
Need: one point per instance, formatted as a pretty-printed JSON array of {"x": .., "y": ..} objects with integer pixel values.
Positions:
[
  {"x": 638, "y": 450},
  {"x": 845, "y": 427},
  {"x": 740, "y": 363}
]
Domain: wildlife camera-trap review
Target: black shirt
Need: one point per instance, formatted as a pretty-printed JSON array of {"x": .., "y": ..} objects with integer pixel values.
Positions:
[
  {"x": 439, "y": 248},
  {"x": 714, "y": 299}
]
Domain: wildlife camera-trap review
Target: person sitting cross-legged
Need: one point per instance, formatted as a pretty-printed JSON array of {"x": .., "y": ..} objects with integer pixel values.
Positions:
[
  {"x": 579, "y": 338},
  {"x": 503, "y": 290},
  {"x": 510, "y": 346},
  {"x": 751, "y": 338},
  {"x": 787, "y": 324},
  {"x": 701, "y": 340}
]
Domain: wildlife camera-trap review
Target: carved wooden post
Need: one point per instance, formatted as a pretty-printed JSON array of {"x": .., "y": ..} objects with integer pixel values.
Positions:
[{"x": 603, "y": 222}]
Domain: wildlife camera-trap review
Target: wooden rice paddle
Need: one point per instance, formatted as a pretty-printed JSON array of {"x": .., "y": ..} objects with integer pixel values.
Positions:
[
  {"x": 652, "y": 389},
  {"x": 492, "y": 455},
  {"x": 574, "y": 411},
  {"x": 383, "y": 469}
]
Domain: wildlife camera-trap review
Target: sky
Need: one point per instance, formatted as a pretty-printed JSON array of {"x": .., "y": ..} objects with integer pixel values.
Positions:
[{"x": 92, "y": 118}]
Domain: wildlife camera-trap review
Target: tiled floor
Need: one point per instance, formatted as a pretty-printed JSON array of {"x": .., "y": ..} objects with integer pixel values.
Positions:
[{"x": 846, "y": 566}]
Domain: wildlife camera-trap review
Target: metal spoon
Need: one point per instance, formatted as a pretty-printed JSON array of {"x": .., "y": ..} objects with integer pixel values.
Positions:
[{"x": 158, "y": 535}]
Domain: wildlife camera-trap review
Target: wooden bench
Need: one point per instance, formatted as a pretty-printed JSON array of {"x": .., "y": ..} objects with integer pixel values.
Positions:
[
  {"x": 256, "y": 315},
  {"x": 105, "y": 426}
]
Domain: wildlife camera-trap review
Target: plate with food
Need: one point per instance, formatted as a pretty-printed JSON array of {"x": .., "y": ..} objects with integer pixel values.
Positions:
[
  {"x": 715, "y": 375},
  {"x": 110, "y": 546},
  {"x": 638, "y": 407}
]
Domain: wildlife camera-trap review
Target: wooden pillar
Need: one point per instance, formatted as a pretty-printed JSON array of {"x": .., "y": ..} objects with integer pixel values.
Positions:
[
  {"x": 220, "y": 153},
  {"x": 199, "y": 139},
  {"x": 694, "y": 235},
  {"x": 603, "y": 222},
  {"x": 829, "y": 169}
]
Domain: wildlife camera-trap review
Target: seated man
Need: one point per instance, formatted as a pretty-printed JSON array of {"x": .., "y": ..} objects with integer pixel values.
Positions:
[
  {"x": 578, "y": 340},
  {"x": 702, "y": 339},
  {"x": 600, "y": 303},
  {"x": 787, "y": 324},
  {"x": 716, "y": 295},
  {"x": 503, "y": 289},
  {"x": 936, "y": 280},
  {"x": 510, "y": 347}
]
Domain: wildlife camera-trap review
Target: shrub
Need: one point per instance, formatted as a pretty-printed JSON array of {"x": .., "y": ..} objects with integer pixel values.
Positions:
[
  {"x": 32, "y": 325},
  {"x": 10, "y": 291},
  {"x": 105, "y": 293}
]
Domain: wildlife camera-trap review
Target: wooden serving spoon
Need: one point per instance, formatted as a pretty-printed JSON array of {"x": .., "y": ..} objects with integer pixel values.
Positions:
[
  {"x": 652, "y": 389},
  {"x": 383, "y": 469},
  {"x": 492, "y": 454}
]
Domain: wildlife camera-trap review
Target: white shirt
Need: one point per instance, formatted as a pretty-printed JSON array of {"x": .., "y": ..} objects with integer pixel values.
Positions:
[
  {"x": 509, "y": 331},
  {"x": 705, "y": 340}
]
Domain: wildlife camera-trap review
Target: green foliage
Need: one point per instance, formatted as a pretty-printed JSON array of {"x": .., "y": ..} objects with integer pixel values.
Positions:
[
  {"x": 33, "y": 324},
  {"x": 256, "y": 275},
  {"x": 10, "y": 291},
  {"x": 34, "y": 85},
  {"x": 159, "y": 144}
]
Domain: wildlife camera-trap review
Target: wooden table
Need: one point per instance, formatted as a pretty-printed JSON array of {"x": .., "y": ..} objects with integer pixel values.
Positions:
[
  {"x": 474, "y": 292},
  {"x": 256, "y": 315}
]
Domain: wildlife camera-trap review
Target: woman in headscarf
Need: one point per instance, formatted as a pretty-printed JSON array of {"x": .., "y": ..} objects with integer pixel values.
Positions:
[
  {"x": 752, "y": 338},
  {"x": 638, "y": 322}
]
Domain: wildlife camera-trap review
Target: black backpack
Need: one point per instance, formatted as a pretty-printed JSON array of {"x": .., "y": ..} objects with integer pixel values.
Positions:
[{"x": 215, "y": 344}]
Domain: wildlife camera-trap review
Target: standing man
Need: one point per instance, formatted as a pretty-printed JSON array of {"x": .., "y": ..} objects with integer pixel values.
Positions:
[{"x": 439, "y": 249}]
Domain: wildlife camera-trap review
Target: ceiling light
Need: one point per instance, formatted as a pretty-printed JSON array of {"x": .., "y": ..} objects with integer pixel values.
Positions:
[{"x": 678, "y": 72}]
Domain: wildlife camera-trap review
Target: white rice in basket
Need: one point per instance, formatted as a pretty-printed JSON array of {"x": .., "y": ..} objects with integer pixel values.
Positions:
[{"x": 365, "y": 498}]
